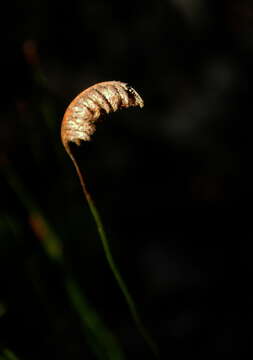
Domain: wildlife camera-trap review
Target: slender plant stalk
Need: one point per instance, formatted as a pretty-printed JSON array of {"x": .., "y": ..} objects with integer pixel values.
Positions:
[{"x": 114, "y": 268}]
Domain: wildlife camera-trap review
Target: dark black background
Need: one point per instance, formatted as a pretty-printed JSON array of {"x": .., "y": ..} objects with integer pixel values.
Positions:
[{"x": 172, "y": 181}]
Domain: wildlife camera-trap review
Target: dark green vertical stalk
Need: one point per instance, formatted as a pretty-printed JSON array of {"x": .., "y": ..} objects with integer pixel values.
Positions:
[{"x": 101, "y": 231}]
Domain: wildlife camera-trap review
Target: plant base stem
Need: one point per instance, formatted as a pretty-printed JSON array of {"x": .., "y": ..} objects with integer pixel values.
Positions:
[{"x": 108, "y": 254}]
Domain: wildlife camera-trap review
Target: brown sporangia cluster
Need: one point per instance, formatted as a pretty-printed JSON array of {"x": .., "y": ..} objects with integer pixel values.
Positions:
[{"x": 81, "y": 115}]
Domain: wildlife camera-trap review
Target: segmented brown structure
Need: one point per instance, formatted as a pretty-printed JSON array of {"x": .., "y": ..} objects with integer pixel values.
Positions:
[{"x": 81, "y": 115}]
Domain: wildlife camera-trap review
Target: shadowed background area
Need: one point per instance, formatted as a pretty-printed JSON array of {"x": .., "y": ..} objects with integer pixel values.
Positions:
[{"x": 172, "y": 181}]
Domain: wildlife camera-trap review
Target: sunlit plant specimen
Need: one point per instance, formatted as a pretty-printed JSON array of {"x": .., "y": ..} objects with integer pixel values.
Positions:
[{"x": 79, "y": 124}]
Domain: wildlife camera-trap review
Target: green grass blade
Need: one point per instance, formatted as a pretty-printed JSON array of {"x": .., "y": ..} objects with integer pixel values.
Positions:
[
  {"x": 9, "y": 355},
  {"x": 92, "y": 324},
  {"x": 91, "y": 321}
]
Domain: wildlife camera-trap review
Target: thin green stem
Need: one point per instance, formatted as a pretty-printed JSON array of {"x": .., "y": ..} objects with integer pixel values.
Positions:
[{"x": 115, "y": 270}]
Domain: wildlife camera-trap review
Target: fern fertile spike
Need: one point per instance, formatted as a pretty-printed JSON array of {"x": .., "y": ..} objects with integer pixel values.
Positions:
[{"x": 79, "y": 121}]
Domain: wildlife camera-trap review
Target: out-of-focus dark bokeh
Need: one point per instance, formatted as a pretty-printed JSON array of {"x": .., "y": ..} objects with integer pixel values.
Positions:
[{"x": 173, "y": 181}]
